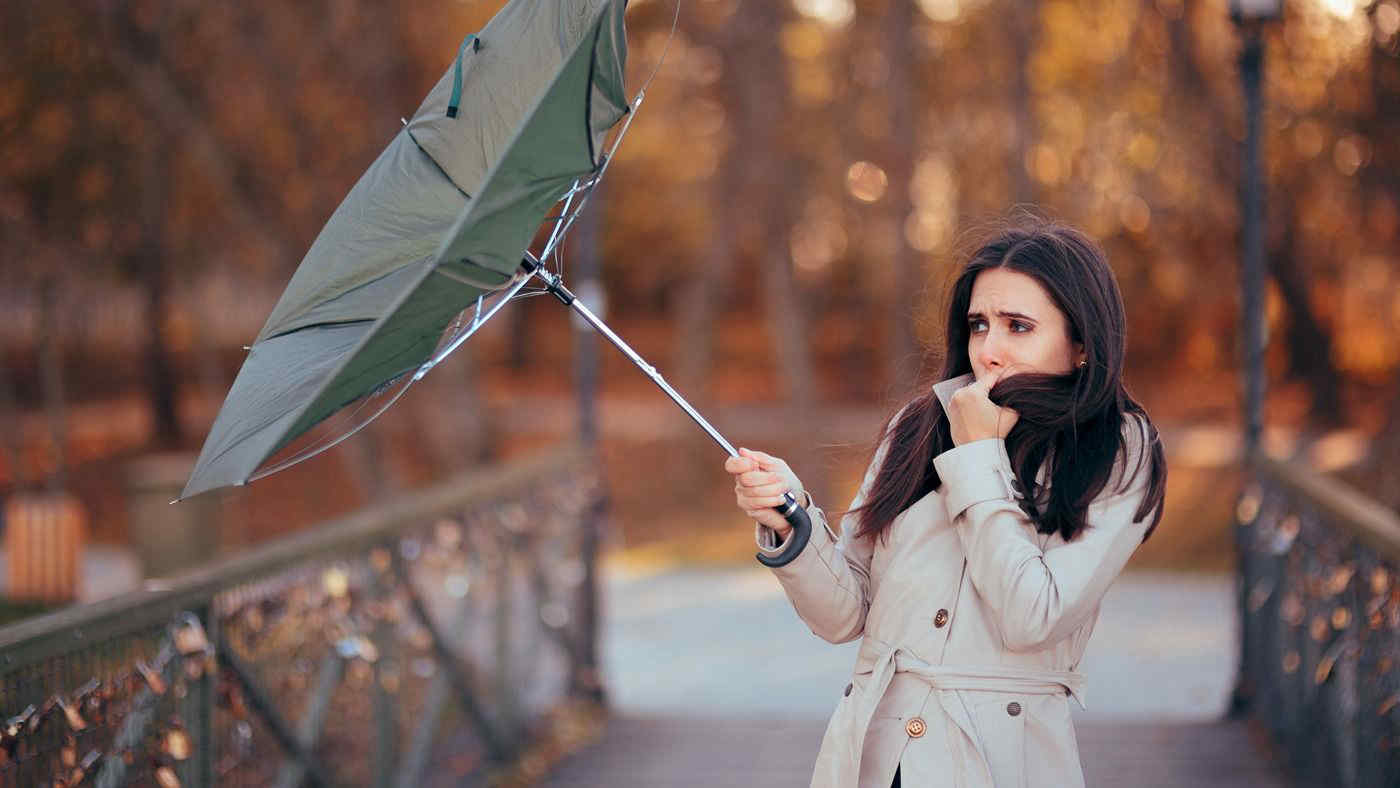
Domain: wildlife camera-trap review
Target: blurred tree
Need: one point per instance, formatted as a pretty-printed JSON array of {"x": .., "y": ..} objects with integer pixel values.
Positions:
[
  {"x": 155, "y": 144},
  {"x": 898, "y": 33},
  {"x": 51, "y": 371},
  {"x": 693, "y": 344},
  {"x": 774, "y": 188},
  {"x": 1381, "y": 179},
  {"x": 1023, "y": 23}
]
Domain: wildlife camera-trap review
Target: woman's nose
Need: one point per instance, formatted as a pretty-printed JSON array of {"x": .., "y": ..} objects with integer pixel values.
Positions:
[{"x": 990, "y": 353}]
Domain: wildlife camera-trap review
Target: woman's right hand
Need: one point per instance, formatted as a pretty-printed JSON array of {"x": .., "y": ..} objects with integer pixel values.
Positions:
[{"x": 759, "y": 483}]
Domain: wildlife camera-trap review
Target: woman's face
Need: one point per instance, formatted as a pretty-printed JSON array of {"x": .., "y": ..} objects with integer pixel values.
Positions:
[{"x": 1013, "y": 325}]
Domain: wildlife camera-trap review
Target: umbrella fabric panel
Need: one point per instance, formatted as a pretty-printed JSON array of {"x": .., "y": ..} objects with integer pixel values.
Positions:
[
  {"x": 373, "y": 296},
  {"x": 394, "y": 346},
  {"x": 279, "y": 375},
  {"x": 608, "y": 98},
  {"x": 558, "y": 144},
  {"x": 521, "y": 51},
  {"x": 376, "y": 245},
  {"x": 390, "y": 224}
]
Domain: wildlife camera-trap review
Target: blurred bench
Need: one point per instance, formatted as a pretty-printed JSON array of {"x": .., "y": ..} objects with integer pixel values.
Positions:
[{"x": 44, "y": 538}]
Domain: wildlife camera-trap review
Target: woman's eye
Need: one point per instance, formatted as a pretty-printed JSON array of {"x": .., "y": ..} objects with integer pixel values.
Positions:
[
  {"x": 1020, "y": 327},
  {"x": 977, "y": 324}
]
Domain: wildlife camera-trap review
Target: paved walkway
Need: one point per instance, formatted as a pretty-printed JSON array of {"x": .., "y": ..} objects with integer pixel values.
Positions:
[
  {"x": 687, "y": 752},
  {"x": 714, "y": 681}
]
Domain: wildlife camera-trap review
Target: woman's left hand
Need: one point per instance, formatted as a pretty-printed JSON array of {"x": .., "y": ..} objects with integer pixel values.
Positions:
[{"x": 972, "y": 416}]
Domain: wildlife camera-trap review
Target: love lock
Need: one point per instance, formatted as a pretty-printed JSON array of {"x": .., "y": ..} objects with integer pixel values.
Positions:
[{"x": 190, "y": 638}]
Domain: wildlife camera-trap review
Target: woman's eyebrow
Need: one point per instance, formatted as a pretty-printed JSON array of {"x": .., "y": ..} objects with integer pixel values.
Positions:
[
  {"x": 1015, "y": 315},
  {"x": 1004, "y": 313}
]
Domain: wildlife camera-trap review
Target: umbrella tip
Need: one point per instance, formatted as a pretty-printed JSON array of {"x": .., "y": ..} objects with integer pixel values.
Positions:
[
  {"x": 403, "y": 120},
  {"x": 177, "y": 500}
]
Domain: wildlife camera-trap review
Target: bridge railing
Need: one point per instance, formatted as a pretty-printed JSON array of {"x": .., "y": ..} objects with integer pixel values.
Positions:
[
  {"x": 1320, "y": 602},
  {"x": 433, "y": 634}
]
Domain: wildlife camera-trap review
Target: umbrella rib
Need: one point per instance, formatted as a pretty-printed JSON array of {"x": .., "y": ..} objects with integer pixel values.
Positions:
[
  {"x": 520, "y": 281},
  {"x": 430, "y": 158},
  {"x": 310, "y": 452},
  {"x": 466, "y": 280},
  {"x": 588, "y": 99},
  {"x": 322, "y": 324},
  {"x": 568, "y": 201}
]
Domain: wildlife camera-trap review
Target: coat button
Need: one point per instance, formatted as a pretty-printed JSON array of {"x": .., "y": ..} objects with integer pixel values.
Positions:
[
  {"x": 915, "y": 727},
  {"x": 940, "y": 618},
  {"x": 1013, "y": 708},
  {"x": 848, "y": 689}
]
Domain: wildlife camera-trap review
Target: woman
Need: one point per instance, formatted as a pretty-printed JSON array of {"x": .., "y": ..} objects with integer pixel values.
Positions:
[{"x": 996, "y": 511}]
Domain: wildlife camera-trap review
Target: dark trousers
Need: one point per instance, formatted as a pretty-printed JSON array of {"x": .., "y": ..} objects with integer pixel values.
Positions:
[{"x": 895, "y": 784}]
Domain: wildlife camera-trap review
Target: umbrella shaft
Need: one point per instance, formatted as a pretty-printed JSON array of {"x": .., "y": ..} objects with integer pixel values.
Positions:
[{"x": 556, "y": 286}]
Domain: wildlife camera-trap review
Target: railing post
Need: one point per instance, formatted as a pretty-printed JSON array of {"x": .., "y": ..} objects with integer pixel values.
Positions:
[
  {"x": 204, "y": 695},
  {"x": 386, "y": 669},
  {"x": 586, "y": 676},
  {"x": 1246, "y": 519}
]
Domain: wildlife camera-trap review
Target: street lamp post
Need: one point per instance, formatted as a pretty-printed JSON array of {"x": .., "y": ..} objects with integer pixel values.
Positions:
[{"x": 1251, "y": 17}]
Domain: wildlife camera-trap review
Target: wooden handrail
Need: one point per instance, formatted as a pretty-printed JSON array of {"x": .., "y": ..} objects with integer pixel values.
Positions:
[
  {"x": 42, "y": 636},
  {"x": 1347, "y": 508}
]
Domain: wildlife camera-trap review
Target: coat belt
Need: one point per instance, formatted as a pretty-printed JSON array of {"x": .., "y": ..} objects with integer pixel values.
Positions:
[{"x": 946, "y": 680}]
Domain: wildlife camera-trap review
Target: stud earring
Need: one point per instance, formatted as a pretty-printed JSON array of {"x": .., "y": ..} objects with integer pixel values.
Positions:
[{"x": 1083, "y": 364}]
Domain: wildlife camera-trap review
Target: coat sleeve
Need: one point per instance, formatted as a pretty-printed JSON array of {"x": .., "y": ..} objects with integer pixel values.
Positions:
[
  {"x": 828, "y": 582},
  {"x": 1041, "y": 596}
]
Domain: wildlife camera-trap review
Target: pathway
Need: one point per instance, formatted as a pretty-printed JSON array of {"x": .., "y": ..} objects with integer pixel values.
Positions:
[{"x": 714, "y": 681}]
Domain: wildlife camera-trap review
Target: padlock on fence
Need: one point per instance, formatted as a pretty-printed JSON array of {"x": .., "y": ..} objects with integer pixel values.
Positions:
[{"x": 44, "y": 538}]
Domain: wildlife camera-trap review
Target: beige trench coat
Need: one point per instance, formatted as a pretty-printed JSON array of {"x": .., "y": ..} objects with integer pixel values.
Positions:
[{"x": 971, "y": 623}]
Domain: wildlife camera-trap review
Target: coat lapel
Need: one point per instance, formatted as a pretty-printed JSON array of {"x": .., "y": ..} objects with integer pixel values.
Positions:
[{"x": 944, "y": 390}]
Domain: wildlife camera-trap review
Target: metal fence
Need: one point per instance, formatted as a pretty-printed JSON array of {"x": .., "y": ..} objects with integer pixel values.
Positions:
[
  {"x": 425, "y": 639},
  {"x": 1320, "y": 595}
]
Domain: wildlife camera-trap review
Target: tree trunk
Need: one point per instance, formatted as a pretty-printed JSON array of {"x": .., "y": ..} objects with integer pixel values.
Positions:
[
  {"x": 588, "y": 268},
  {"x": 1024, "y": 23},
  {"x": 1381, "y": 179},
  {"x": 693, "y": 343},
  {"x": 1309, "y": 343},
  {"x": 763, "y": 117},
  {"x": 899, "y": 47},
  {"x": 51, "y": 374},
  {"x": 693, "y": 347},
  {"x": 763, "y": 114},
  {"x": 162, "y": 384}
]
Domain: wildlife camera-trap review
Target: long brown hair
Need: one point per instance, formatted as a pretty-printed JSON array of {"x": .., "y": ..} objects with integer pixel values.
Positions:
[{"x": 1073, "y": 423}]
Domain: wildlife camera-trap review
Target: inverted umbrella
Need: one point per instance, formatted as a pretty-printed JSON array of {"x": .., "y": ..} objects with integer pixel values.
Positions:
[{"x": 434, "y": 238}]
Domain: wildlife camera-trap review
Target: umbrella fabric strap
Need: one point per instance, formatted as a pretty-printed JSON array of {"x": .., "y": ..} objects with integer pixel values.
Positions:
[{"x": 457, "y": 74}]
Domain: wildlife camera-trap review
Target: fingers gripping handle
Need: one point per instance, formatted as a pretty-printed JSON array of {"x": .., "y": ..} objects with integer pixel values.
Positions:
[{"x": 801, "y": 532}]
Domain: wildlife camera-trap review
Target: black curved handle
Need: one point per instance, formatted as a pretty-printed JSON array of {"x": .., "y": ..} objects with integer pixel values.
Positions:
[{"x": 801, "y": 532}]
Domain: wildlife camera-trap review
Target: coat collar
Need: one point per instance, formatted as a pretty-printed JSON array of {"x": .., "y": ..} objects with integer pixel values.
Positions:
[{"x": 944, "y": 389}]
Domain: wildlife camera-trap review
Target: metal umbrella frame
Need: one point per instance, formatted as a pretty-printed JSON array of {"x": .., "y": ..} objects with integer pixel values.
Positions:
[{"x": 467, "y": 258}]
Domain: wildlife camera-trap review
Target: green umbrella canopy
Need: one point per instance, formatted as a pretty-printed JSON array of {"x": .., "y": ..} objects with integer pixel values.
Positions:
[{"x": 442, "y": 217}]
